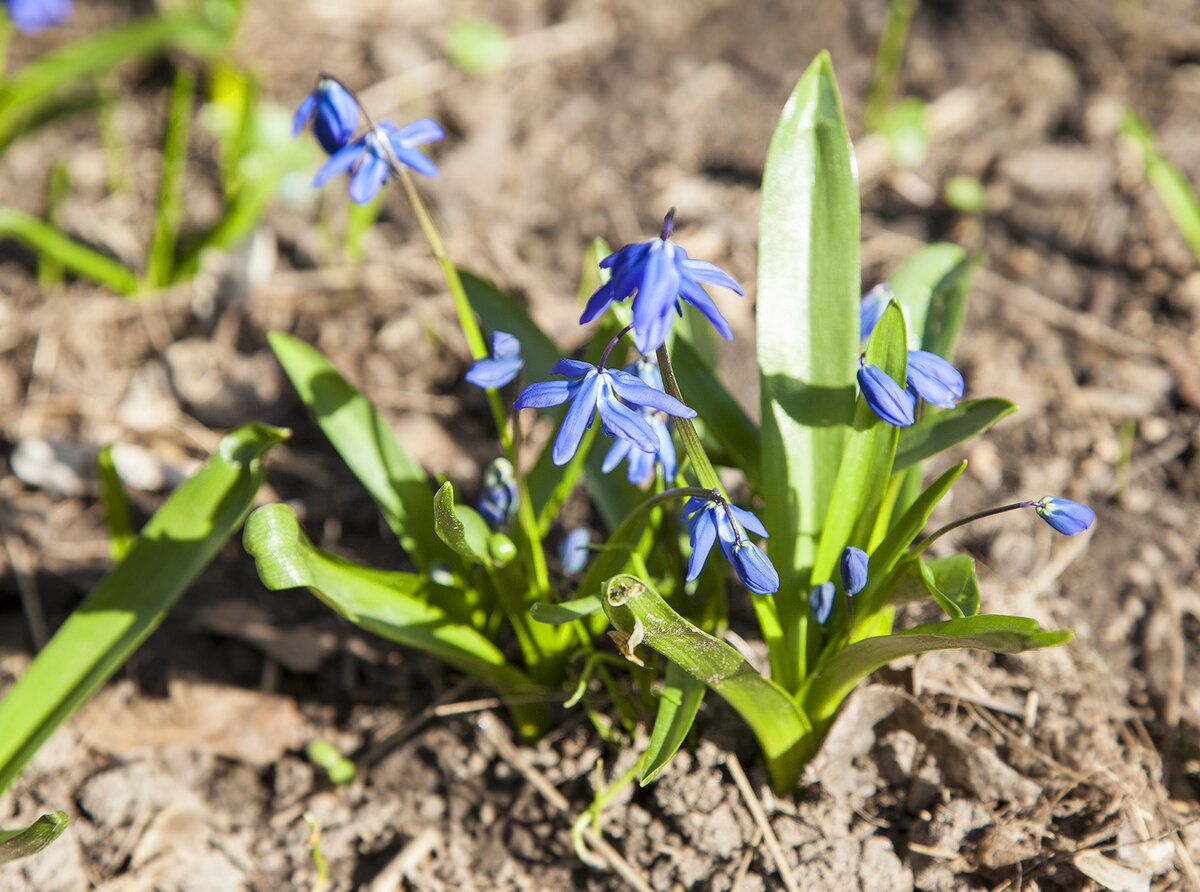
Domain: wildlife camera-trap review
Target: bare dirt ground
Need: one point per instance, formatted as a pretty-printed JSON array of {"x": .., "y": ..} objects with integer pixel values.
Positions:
[{"x": 1072, "y": 768}]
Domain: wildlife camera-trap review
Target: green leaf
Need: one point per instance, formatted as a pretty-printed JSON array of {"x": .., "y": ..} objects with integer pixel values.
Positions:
[
  {"x": 77, "y": 257},
  {"x": 640, "y": 616},
  {"x": 39, "y": 86},
  {"x": 121, "y": 534},
  {"x": 170, "y": 195},
  {"x": 405, "y": 607},
  {"x": 938, "y": 432},
  {"x": 906, "y": 131},
  {"x": 915, "y": 281},
  {"x": 999, "y": 634},
  {"x": 807, "y": 310},
  {"x": 1168, "y": 182},
  {"x": 128, "y": 604},
  {"x": 367, "y": 445},
  {"x": 678, "y": 703},
  {"x": 948, "y": 307},
  {"x": 567, "y": 611},
  {"x": 463, "y": 530},
  {"x": 476, "y": 46},
  {"x": 864, "y": 471},
  {"x": 16, "y": 844},
  {"x": 951, "y": 580},
  {"x": 965, "y": 194}
]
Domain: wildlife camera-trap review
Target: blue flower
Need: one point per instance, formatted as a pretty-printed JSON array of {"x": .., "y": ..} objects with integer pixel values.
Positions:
[
  {"x": 873, "y": 304},
  {"x": 710, "y": 521},
  {"x": 641, "y": 464},
  {"x": 1064, "y": 515},
  {"x": 933, "y": 378},
  {"x": 31, "y": 16},
  {"x": 333, "y": 112},
  {"x": 887, "y": 399},
  {"x": 368, "y": 156},
  {"x": 498, "y": 497},
  {"x": 500, "y": 366},
  {"x": 573, "y": 550},
  {"x": 820, "y": 601},
  {"x": 661, "y": 274},
  {"x": 854, "y": 564},
  {"x": 595, "y": 389}
]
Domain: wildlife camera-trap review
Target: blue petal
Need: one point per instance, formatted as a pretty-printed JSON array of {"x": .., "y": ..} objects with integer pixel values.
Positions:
[
  {"x": 505, "y": 345},
  {"x": 339, "y": 162},
  {"x": 934, "y": 378},
  {"x": 755, "y": 569},
  {"x": 854, "y": 565},
  {"x": 641, "y": 466},
  {"x": 368, "y": 178},
  {"x": 694, "y": 294},
  {"x": 703, "y": 530},
  {"x": 492, "y": 373},
  {"x": 307, "y": 106},
  {"x": 656, "y": 293},
  {"x": 1064, "y": 515},
  {"x": 577, "y": 420},
  {"x": 704, "y": 271},
  {"x": 418, "y": 132},
  {"x": 414, "y": 159},
  {"x": 637, "y": 393},
  {"x": 627, "y": 267},
  {"x": 820, "y": 601},
  {"x": 336, "y": 115},
  {"x": 873, "y": 304},
  {"x": 749, "y": 521},
  {"x": 573, "y": 550},
  {"x": 886, "y": 398},
  {"x": 616, "y": 452},
  {"x": 622, "y": 421},
  {"x": 666, "y": 449},
  {"x": 597, "y": 303},
  {"x": 572, "y": 368},
  {"x": 544, "y": 394}
]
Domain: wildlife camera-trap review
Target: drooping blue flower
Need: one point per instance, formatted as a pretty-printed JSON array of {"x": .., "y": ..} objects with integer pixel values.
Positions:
[
  {"x": 500, "y": 366},
  {"x": 853, "y": 565},
  {"x": 498, "y": 496},
  {"x": 31, "y": 16},
  {"x": 368, "y": 160},
  {"x": 641, "y": 464},
  {"x": 820, "y": 601},
  {"x": 873, "y": 304},
  {"x": 1064, "y": 515},
  {"x": 597, "y": 390},
  {"x": 708, "y": 522},
  {"x": 934, "y": 378},
  {"x": 887, "y": 399},
  {"x": 332, "y": 111},
  {"x": 573, "y": 550},
  {"x": 659, "y": 273}
]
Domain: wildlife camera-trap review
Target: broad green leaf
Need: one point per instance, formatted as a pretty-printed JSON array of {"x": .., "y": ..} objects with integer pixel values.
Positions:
[
  {"x": 121, "y": 534},
  {"x": 77, "y": 257},
  {"x": 463, "y": 530},
  {"x": 948, "y": 307},
  {"x": 678, "y": 703},
  {"x": 1000, "y": 634},
  {"x": 640, "y": 616},
  {"x": 938, "y": 432},
  {"x": 724, "y": 418},
  {"x": 915, "y": 279},
  {"x": 170, "y": 195},
  {"x": 28, "y": 93},
  {"x": 16, "y": 844},
  {"x": 899, "y": 537},
  {"x": 807, "y": 311},
  {"x": 1168, "y": 182},
  {"x": 367, "y": 445},
  {"x": 128, "y": 604},
  {"x": 864, "y": 471},
  {"x": 567, "y": 611},
  {"x": 403, "y": 607},
  {"x": 951, "y": 579}
]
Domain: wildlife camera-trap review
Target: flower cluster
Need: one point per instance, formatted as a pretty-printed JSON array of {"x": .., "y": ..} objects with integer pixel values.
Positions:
[
  {"x": 370, "y": 158},
  {"x": 715, "y": 520}
]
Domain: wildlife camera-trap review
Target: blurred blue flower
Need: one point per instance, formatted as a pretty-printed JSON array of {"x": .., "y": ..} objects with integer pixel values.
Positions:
[
  {"x": 933, "y": 378},
  {"x": 368, "y": 158},
  {"x": 31, "y": 16},
  {"x": 887, "y": 399},
  {"x": 498, "y": 496},
  {"x": 333, "y": 112},
  {"x": 500, "y": 366},
  {"x": 661, "y": 274},
  {"x": 873, "y": 304},
  {"x": 597, "y": 390},
  {"x": 641, "y": 464},
  {"x": 1064, "y": 515},
  {"x": 709, "y": 521},
  {"x": 820, "y": 601},
  {"x": 854, "y": 564},
  {"x": 573, "y": 550}
]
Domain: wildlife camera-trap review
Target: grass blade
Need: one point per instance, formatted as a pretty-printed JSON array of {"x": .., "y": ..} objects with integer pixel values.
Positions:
[
  {"x": 117, "y": 516},
  {"x": 16, "y": 844},
  {"x": 170, "y": 195},
  {"x": 938, "y": 432},
  {"x": 78, "y": 258},
  {"x": 678, "y": 704},
  {"x": 126, "y": 606}
]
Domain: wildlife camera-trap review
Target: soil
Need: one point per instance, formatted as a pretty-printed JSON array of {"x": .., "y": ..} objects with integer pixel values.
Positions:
[{"x": 1071, "y": 768}]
